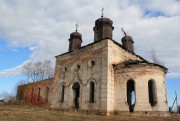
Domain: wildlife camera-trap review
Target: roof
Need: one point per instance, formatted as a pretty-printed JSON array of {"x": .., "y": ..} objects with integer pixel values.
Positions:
[
  {"x": 100, "y": 41},
  {"x": 9, "y": 99},
  {"x": 144, "y": 62}
]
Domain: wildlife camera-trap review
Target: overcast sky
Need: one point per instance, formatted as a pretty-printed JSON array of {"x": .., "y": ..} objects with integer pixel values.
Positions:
[{"x": 40, "y": 29}]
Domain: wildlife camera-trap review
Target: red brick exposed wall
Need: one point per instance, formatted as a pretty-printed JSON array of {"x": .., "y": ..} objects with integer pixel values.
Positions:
[{"x": 35, "y": 93}]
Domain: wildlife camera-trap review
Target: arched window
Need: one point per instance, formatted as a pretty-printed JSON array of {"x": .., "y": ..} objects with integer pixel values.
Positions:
[
  {"x": 62, "y": 93},
  {"x": 152, "y": 92},
  {"x": 47, "y": 93},
  {"x": 21, "y": 95},
  {"x": 131, "y": 95},
  {"x": 91, "y": 92},
  {"x": 32, "y": 91},
  {"x": 39, "y": 90}
]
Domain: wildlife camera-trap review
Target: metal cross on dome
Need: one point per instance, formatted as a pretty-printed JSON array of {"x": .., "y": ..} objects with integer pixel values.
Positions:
[
  {"x": 102, "y": 10},
  {"x": 77, "y": 26},
  {"x": 123, "y": 31}
]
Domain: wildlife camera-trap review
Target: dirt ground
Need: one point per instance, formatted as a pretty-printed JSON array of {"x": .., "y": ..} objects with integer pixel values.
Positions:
[{"x": 29, "y": 113}]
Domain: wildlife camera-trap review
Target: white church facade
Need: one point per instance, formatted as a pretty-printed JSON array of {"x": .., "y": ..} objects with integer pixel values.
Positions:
[{"x": 105, "y": 77}]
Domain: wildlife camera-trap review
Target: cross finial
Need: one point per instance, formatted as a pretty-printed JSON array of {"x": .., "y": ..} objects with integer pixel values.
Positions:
[
  {"x": 77, "y": 26},
  {"x": 123, "y": 31},
  {"x": 102, "y": 10}
]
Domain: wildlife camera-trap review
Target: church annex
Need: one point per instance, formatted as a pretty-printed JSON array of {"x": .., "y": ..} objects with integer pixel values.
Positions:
[{"x": 103, "y": 77}]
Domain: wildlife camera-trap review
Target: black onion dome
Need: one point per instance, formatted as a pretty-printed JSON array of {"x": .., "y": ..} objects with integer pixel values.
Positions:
[
  {"x": 127, "y": 38},
  {"x": 76, "y": 35},
  {"x": 105, "y": 21},
  {"x": 97, "y": 22}
]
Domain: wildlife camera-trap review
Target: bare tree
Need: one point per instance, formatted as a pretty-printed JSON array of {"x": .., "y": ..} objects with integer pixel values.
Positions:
[
  {"x": 35, "y": 71},
  {"x": 21, "y": 82},
  {"x": 48, "y": 69},
  {"x": 154, "y": 57},
  {"x": 4, "y": 94}
]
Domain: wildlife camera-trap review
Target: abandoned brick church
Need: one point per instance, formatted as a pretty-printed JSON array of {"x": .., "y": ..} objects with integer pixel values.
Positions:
[{"x": 103, "y": 77}]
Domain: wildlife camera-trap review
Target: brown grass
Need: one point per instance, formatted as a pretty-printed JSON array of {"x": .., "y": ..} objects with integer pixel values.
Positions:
[{"x": 28, "y": 113}]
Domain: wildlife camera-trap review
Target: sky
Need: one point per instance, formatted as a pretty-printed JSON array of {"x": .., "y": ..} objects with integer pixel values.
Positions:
[{"x": 40, "y": 29}]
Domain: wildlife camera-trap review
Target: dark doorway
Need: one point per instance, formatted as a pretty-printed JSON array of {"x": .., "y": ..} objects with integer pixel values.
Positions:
[
  {"x": 131, "y": 95},
  {"x": 76, "y": 91}
]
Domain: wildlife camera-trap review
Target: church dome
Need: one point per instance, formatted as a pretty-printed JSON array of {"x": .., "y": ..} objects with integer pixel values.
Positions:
[
  {"x": 127, "y": 42},
  {"x": 127, "y": 38},
  {"x": 105, "y": 21},
  {"x": 97, "y": 22},
  {"x": 76, "y": 35}
]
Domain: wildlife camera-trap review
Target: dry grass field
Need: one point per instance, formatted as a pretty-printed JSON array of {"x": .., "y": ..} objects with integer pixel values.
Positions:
[{"x": 27, "y": 113}]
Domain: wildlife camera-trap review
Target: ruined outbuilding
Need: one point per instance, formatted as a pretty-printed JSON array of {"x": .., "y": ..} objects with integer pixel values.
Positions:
[
  {"x": 7, "y": 101},
  {"x": 103, "y": 77}
]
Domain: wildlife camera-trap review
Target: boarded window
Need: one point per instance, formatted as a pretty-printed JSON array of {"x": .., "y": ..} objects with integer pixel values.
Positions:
[
  {"x": 91, "y": 92},
  {"x": 152, "y": 92},
  {"x": 39, "y": 91},
  {"x": 62, "y": 93},
  {"x": 47, "y": 93}
]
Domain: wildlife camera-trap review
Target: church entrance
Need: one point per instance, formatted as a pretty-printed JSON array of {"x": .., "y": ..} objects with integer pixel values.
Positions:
[
  {"x": 76, "y": 93},
  {"x": 131, "y": 95}
]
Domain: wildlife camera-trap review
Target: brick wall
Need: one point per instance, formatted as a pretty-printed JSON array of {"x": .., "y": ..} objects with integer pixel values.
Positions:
[{"x": 35, "y": 93}]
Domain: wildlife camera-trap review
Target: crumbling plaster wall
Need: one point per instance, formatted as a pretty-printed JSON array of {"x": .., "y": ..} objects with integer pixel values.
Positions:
[
  {"x": 116, "y": 54},
  {"x": 140, "y": 74},
  {"x": 66, "y": 73}
]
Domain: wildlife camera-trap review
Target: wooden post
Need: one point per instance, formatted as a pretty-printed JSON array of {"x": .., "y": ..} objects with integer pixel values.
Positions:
[{"x": 177, "y": 103}]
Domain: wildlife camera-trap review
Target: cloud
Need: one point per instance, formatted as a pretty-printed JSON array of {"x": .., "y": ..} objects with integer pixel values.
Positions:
[
  {"x": 12, "y": 72},
  {"x": 44, "y": 26},
  {"x": 168, "y": 7}
]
